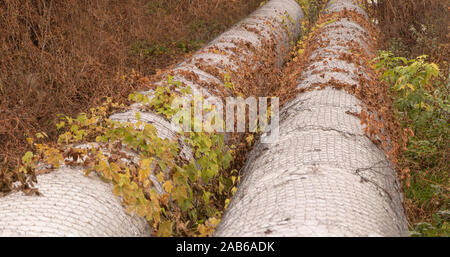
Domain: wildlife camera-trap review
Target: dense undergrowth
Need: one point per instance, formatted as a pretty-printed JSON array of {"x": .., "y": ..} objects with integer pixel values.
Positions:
[
  {"x": 67, "y": 56},
  {"x": 422, "y": 106},
  {"x": 414, "y": 65}
]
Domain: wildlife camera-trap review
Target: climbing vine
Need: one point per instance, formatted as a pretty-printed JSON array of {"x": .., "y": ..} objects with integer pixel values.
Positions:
[{"x": 176, "y": 195}]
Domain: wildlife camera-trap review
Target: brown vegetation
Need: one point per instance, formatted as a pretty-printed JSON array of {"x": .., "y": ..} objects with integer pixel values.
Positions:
[
  {"x": 67, "y": 56},
  {"x": 414, "y": 27}
]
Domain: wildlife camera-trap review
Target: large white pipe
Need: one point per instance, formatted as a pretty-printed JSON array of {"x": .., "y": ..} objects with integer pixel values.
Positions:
[
  {"x": 324, "y": 176},
  {"x": 75, "y": 205}
]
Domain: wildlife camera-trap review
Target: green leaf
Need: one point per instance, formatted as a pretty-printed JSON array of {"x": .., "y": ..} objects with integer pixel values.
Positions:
[
  {"x": 27, "y": 157},
  {"x": 60, "y": 124}
]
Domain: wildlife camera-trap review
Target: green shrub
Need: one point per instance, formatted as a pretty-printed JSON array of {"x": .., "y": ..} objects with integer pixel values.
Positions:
[{"x": 421, "y": 104}]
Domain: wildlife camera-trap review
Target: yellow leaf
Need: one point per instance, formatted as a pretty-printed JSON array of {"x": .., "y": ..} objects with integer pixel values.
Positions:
[
  {"x": 140, "y": 210},
  {"x": 410, "y": 86},
  {"x": 30, "y": 140},
  {"x": 227, "y": 202},
  {"x": 233, "y": 178},
  {"x": 117, "y": 190},
  {"x": 165, "y": 229},
  {"x": 146, "y": 163},
  {"x": 114, "y": 167},
  {"x": 249, "y": 139},
  {"x": 203, "y": 230},
  {"x": 116, "y": 177},
  {"x": 103, "y": 165},
  {"x": 160, "y": 176},
  {"x": 168, "y": 186},
  {"x": 144, "y": 171},
  {"x": 214, "y": 221}
]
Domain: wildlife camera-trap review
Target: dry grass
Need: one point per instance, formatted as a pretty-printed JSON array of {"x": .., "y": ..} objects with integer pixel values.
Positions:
[
  {"x": 65, "y": 56},
  {"x": 414, "y": 27}
]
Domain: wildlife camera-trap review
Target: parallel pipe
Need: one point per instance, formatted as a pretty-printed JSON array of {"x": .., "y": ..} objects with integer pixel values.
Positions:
[
  {"x": 73, "y": 204},
  {"x": 324, "y": 176}
]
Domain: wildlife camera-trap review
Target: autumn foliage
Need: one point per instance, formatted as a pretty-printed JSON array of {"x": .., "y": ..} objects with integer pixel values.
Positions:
[{"x": 66, "y": 56}]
